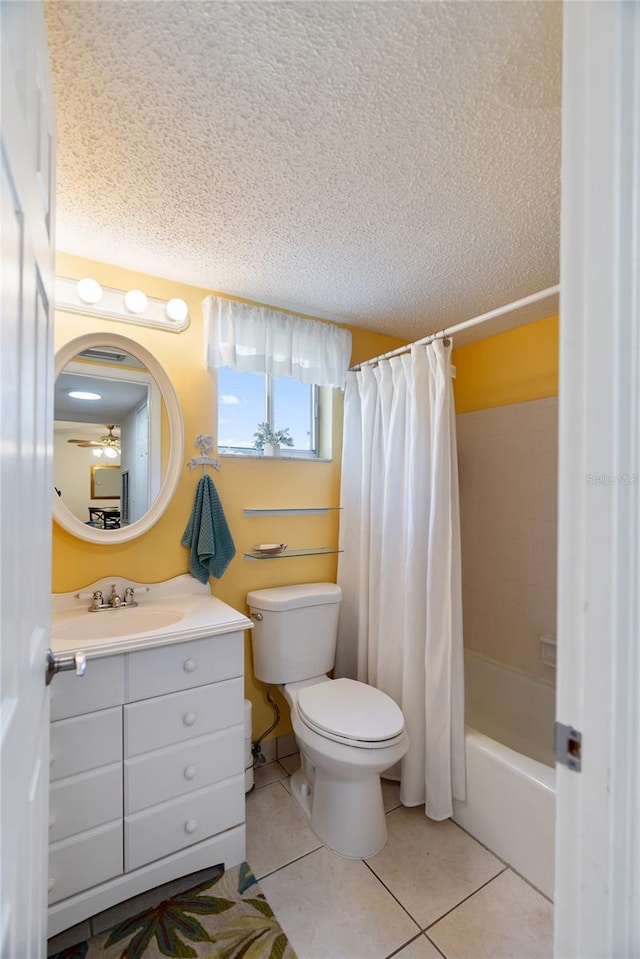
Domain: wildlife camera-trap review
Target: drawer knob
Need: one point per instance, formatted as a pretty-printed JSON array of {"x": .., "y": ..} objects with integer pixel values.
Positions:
[
  {"x": 190, "y": 666},
  {"x": 191, "y": 825},
  {"x": 190, "y": 772},
  {"x": 51, "y": 882},
  {"x": 190, "y": 718}
]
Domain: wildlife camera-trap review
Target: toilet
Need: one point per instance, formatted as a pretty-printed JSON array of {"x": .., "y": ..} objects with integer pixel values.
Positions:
[{"x": 348, "y": 733}]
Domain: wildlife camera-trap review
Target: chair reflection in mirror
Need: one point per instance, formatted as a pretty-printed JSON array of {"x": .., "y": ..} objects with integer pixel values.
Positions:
[{"x": 104, "y": 517}]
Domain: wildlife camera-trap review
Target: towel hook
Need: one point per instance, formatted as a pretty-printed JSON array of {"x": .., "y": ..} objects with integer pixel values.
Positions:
[{"x": 205, "y": 444}]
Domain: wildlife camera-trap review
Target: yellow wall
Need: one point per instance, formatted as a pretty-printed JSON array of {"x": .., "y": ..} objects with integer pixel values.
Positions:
[
  {"x": 512, "y": 367},
  {"x": 158, "y": 555}
]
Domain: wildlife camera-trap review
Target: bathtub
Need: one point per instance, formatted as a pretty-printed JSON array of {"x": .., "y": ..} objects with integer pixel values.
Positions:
[{"x": 510, "y": 804}]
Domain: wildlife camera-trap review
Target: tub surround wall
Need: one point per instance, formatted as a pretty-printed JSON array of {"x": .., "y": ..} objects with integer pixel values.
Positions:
[
  {"x": 508, "y": 506},
  {"x": 158, "y": 555},
  {"x": 510, "y": 706},
  {"x": 506, "y": 400}
]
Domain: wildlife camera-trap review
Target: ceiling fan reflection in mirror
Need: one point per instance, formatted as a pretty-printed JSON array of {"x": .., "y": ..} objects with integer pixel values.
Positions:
[{"x": 107, "y": 445}]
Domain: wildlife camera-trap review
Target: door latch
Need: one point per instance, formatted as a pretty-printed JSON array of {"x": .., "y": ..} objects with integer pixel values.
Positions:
[{"x": 568, "y": 747}]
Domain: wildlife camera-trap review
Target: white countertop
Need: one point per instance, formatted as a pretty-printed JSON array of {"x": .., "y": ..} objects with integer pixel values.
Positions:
[{"x": 175, "y": 611}]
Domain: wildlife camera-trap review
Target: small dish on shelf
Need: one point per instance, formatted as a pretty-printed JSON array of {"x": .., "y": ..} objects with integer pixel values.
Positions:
[{"x": 270, "y": 549}]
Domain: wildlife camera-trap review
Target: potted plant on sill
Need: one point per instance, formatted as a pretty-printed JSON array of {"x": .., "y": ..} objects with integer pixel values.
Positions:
[{"x": 269, "y": 440}]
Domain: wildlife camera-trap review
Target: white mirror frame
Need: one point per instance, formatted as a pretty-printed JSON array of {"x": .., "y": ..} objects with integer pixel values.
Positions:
[{"x": 61, "y": 514}]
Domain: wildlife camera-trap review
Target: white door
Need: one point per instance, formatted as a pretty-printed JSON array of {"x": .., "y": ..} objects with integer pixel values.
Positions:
[
  {"x": 597, "y": 900},
  {"x": 140, "y": 491},
  {"x": 26, "y": 367}
]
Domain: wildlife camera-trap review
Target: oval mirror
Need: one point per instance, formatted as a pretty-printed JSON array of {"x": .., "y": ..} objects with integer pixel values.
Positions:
[{"x": 118, "y": 439}]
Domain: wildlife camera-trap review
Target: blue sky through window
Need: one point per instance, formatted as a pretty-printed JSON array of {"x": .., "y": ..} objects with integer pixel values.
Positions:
[
  {"x": 242, "y": 405},
  {"x": 292, "y": 408}
]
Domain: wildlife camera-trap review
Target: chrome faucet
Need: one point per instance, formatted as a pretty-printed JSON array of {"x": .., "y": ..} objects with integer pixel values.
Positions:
[{"x": 98, "y": 601}]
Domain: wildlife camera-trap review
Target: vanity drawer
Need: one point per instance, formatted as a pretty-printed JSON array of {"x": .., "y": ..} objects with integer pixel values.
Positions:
[
  {"x": 182, "y": 822},
  {"x": 187, "y": 767},
  {"x": 101, "y": 686},
  {"x": 173, "y": 719},
  {"x": 85, "y": 801},
  {"x": 84, "y": 861},
  {"x": 184, "y": 665},
  {"x": 85, "y": 742}
]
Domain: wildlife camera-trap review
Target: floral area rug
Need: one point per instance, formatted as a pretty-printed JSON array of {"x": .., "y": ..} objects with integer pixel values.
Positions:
[{"x": 226, "y": 917}]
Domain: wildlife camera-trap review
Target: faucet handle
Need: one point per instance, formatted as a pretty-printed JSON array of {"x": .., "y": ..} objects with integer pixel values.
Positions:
[
  {"x": 94, "y": 595},
  {"x": 96, "y": 599},
  {"x": 137, "y": 589},
  {"x": 86, "y": 594},
  {"x": 129, "y": 594}
]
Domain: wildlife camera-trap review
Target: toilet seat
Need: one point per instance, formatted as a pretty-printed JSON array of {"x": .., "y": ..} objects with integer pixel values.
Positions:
[{"x": 350, "y": 712}]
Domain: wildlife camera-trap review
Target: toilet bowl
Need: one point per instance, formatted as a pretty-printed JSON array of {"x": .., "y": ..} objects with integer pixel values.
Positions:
[
  {"x": 348, "y": 732},
  {"x": 338, "y": 783}
]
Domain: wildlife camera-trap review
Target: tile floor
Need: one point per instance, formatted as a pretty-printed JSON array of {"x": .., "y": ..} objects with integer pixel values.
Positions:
[{"x": 433, "y": 891}]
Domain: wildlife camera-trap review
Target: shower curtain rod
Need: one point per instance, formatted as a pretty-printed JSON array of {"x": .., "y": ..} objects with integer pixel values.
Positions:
[{"x": 442, "y": 334}]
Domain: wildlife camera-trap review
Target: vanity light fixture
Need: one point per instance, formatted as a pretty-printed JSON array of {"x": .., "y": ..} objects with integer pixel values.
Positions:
[
  {"x": 136, "y": 301},
  {"x": 177, "y": 310},
  {"x": 89, "y": 291},
  {"x": 132, "y": 306}
]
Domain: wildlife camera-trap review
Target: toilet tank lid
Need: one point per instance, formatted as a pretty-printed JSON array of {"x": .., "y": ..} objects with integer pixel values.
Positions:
[{"x": 292, "y": 597}]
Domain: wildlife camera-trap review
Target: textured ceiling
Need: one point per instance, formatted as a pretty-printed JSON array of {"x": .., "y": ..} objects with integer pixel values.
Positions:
[{"x": 394, "y": 165}]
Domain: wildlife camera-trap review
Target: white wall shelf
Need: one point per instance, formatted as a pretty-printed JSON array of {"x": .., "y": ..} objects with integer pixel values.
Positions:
[{"x": 287, "y": 553}]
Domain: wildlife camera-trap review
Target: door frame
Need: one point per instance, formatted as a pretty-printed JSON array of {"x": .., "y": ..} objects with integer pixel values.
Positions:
[{"x": 597, "y": 894}]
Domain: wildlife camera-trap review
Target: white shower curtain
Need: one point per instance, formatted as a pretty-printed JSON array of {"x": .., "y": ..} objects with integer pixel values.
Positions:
[{"x": 401, "y": 617}]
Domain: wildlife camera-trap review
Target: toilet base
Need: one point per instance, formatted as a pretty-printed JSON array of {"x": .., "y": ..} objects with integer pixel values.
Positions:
[
  {"x": 346, "y": 815},
  {"x": 338, "y": 785}
]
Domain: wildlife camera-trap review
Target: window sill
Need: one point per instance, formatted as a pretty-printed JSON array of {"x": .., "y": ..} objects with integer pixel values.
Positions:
[{"x": 282, "y": 456}]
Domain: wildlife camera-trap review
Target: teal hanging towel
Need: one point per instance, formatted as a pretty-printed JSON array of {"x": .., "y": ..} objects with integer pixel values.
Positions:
[{"x": 207, "y": 536}]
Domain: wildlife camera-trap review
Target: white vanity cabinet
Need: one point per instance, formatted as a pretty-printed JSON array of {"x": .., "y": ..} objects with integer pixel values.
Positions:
[{"x": 147, "y": 772}]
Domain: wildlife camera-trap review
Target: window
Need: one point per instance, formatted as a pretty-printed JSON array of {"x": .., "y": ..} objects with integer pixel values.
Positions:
[
  {"x": 246, "y": 399},
  {"x": 277, "y": 368}
]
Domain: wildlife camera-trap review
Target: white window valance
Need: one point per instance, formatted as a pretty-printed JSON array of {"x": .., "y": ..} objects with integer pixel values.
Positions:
[{"x": 256, "y": 339}]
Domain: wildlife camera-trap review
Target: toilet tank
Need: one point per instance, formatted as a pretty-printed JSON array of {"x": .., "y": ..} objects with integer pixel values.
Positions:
[{"x": 295, "y": 631}]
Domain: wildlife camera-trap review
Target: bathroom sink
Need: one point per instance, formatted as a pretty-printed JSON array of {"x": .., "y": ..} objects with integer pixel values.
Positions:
[
  {"x": 176, "y": 610},
  {"x": 110, "y": 623}
]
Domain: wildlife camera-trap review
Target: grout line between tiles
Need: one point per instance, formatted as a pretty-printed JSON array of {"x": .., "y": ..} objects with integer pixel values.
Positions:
[
  {"x": 505, "y": 864},
  {"x": 453, "y": 908},
  {"x": 262, "y": 766},
  {"x": 471, "y": 836},
  {"x": 384, "y": 886},
  {"x": 290, "y": 863},
  {"x": 432, "y": 943},
  {"x": 409, "y": 942},
  {"x": 470, "y": 896}
]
